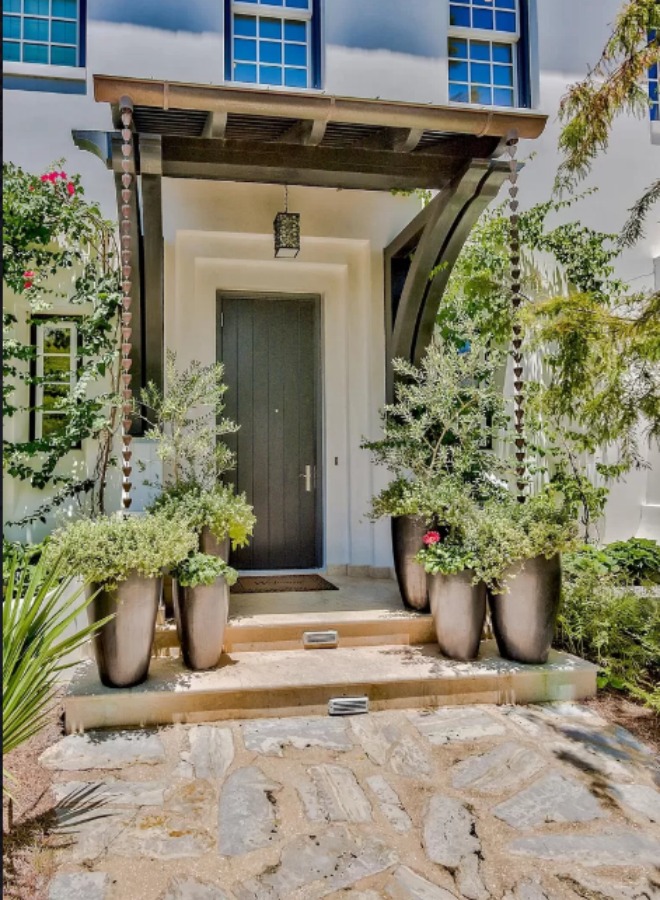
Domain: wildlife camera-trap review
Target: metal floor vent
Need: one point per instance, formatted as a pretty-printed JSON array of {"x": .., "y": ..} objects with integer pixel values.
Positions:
[
  {"x": 348, "y": 706},
  {"x": 313, "y": 640}
]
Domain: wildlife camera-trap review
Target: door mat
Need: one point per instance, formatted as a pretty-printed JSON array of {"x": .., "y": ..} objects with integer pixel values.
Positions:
[{"x": 270, "y": 584}]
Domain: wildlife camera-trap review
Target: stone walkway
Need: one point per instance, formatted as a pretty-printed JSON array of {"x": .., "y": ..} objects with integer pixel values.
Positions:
[{"x": 520, "y": 803}]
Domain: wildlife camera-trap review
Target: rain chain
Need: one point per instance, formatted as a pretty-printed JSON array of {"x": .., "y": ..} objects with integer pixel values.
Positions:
[
  {"x": 127, "y": 164},
  {"x": 516, "y": 299}
]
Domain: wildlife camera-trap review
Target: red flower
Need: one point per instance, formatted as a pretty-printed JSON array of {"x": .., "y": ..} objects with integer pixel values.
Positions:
[
  {"x": 30, "y": 187},
  {"x": 28, "y": 274},
  {"x": 71, "y": 188},
  {"x": 52, "y": 176},
  {"x": 431, "y": 537},
  {"x": 44, "y": 177},
  {"x": 27, "y": 285},
  {"x": 63, "y": 175}
]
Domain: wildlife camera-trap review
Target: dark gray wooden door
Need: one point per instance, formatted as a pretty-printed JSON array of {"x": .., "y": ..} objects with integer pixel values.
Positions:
[{"x": 269, "y": 345}]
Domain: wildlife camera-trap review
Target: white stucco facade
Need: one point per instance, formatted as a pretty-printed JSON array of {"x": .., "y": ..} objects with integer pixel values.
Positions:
[{"x": 218, "y": 236}]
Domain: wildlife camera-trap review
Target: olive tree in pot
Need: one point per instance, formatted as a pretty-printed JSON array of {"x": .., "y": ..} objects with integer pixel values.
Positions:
[
  {"x": 121, "y": 559},
  {"x": 201, "y": 607},
  {"x": 439, "y": 427}
]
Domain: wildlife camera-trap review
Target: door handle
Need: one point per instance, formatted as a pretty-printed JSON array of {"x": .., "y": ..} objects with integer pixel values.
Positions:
[{"x": 307, "y": 475}]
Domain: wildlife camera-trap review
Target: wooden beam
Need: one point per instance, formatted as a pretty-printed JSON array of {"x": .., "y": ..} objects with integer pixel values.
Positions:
[
  {"x": 216, "y": 125},
  {"x": 309, "y": 132}
]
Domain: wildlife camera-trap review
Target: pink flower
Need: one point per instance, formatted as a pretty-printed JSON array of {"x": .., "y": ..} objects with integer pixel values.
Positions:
[
  {"x": 27, "y": 285},
  {"x": 431, "y": 537},
  {"x": 28, "y": 274},
  {"x": 30, "y": 187},
  {"x": 52, "y": 176},
  {"x": 44, "y": 177},
  {"x": 63, "y": 175},
  {"x": 71, "y": 188}
]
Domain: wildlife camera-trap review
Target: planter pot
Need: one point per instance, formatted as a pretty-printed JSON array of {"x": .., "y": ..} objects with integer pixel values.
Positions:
[
  {"x": 208, "y": 543},
  {"x": 459, "y": 612},
  {"x": 524, "y": 616},
  {"x": 201, "y": 616},
  {"x": 407, "y": 534},
  {"x": 123, "y": 646}
]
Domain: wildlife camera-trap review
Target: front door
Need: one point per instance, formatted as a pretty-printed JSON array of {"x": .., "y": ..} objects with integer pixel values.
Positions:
[{"x": 270, "y": 347}]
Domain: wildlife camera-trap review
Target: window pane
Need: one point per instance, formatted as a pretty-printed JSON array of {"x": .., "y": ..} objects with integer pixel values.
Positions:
[
  {"x": 35, "y": 29},
  {"x": 458, "y": 71},
  {"x": 64, "y": 56},
  {"x": 244, "y": 72},
  {"x": 270, "y": 75},
  {"x": 479, "y": 73},
  {"x": 51, "y": 423},
  {"x": 11, "y": 27},
  {"x": 479, "y": 50},
  {"x": 272, "y": 2},
  {"x": 295, "y": 31},
  {"x": 57, "y": 340},
  {"x": 458, "y": 48},
  {"x": 503, "y": 75},
  {"x": 36, "y": 7},
  {"x": 270, "y": 28},
  {"x": 653, "y": 71},
  {"x": 653, "y": 90},
  {"x": 295, "y": 77},
  {"x": 459, "y": 93},
  {"x": 295, "y": 54},
  {"x": 65, "y": 9},
  {"x": 63, "y": 32},
  {"x": 57, "y": 368},
  {"x": 480, "y": 95},
  {"x": 11, "y": 52},
  {"x": 53, "y": 395},
  {"x": 270, "y": 52},
  {"x": 502, "y": 97},
  {"x": 245, "y": 25},
  {"x": 11, "y": 6},
  {"x": 502, "y": 52},
  {"x": 482, "y": 18},
  {"x": 459, "y": 16},
  {"x": 36, "y": 53},
  {"x": 298, "y": 4},
  {"x": 506, "y": 4},
  {"x": 245, "y": 50},
  {"x": 655, "y": 112},
  {"x": 505, "y": 21}
]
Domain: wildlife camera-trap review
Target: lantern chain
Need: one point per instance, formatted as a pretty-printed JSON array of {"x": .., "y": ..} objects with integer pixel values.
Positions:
[{"x": 127, "y": 181}]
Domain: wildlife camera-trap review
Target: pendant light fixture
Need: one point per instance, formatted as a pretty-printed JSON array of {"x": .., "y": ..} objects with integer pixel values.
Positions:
[{"x": 286, "y": 229}]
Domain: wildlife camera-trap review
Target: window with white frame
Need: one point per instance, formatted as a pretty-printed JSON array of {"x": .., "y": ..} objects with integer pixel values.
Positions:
[
  {"x": 654, "y": 97},
  {"x": 271, "y": 42},
  {"x": 483, "y": 52},
  {"x": 55, "y": 365},
  {"x": 45, "y": 32}
]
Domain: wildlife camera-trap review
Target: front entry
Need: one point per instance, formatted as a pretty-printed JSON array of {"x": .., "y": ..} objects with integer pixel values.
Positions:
[{"x": 270, "y": 347}]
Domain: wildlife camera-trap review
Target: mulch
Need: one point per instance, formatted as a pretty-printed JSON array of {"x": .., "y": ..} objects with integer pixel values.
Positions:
[{"x": 640, "y": 721}]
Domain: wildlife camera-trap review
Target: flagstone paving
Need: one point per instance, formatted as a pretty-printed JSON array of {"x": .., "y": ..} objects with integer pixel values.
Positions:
[{"x": 544, "y": 802}]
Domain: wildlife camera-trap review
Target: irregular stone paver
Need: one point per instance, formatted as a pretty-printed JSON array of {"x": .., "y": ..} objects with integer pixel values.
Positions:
[
  {"x": 270, "y": 736},
  {"x": 211, "y": 751},
  {"x": 246, "y": 815},
  {"x": 590, "y": 886},
  {"x": 110, "y": 793},
  {"x": 450, "y": 839},
  {"x": 104, "y": 750},
  {"x": 626, "y": 848},
  {"x": 189, "y": 889},
  {"x": 553, "y": 798},
  {"x": 334, "y": 795},
  {"x": 78, "y": 886},
  {"x": 502, "y": 769},
  {"x": 339, "y": 857},
  {"x": 640, "y": 798},
  {"x": 381, "y": 740},
  {"x": 528, "y": 890},
  {"x": 404, "y": 884},
  {"x": 390, "y": 804},
  {"x": 410, "y": 759},
  {"x": 457, "y": 723},
  {"x": 88, "y": 833}
]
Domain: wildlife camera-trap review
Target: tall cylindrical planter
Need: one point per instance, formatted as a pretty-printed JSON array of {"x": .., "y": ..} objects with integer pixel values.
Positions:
[
  {"x": 524, "y": 616},
  {"x": 123, "y": 645},
  {"x": 208, "y": 543},
  {"x": 407, "y": 534},
  {"x": 201, "y": 617},
  {"x": 459, "y": 612}
]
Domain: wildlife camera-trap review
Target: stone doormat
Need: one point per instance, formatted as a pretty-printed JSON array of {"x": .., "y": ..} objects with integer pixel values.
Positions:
[{"x": 279, "y": 584}]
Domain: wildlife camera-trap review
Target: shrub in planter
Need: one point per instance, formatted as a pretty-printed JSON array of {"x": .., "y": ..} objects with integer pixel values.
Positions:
[
  {"x": 201, "y": 605},
  {"x": 121, "y": 559}
]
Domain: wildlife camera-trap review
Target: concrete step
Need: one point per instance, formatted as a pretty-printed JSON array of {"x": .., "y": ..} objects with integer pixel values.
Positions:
[
  {"x": 284, "y": 631},
  {"x": 289, "y": 683}
]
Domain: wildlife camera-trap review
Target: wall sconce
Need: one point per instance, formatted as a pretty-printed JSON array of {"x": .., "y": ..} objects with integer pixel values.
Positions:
[{"x": 286, "y": 229}]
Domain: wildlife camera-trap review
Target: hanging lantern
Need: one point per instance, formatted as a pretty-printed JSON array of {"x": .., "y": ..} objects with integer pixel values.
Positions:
[{"x": 287, "y": 231}]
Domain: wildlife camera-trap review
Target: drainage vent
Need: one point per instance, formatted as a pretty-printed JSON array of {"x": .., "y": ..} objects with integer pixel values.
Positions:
[
  {"x": 348, "y": 706},
  {"x": 313, "y": 640}
]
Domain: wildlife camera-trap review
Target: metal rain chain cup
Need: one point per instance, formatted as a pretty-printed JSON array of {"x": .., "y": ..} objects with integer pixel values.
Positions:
[
  {"x": 127, "y": 165},
  {"x": 286, "y": 228}
]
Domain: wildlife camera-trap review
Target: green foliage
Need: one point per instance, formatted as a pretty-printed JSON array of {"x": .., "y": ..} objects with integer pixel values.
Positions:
[
  {"x": 448, "y": 557},
  {"x": 201, "y": 568},
  {"x": 637, "y": 559},
  {"x": 38, "y": 607},
  {"x": 108, "y": 549},
  {"x": 223, "y": 512},
  {"x": 57, "y": 246},
  {"x": 609, "y": 623},
  {"x": 187, "y": 423}
]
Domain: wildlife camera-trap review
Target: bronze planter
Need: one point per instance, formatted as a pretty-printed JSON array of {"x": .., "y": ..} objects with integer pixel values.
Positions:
[
  {"x": 524, "y": 616},
  {"x": 208, "y": 543},
  {"x": 407, "y": 534},
  {"x": 201, "y": 617},
  {"x": 123, "y": 645},
  {"x": 459, "y": 612}
]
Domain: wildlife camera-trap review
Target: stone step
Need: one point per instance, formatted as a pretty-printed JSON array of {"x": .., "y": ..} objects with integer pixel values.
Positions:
[
  {"x": 284, "y": 631},
  {"x": 290, "y": 683}
]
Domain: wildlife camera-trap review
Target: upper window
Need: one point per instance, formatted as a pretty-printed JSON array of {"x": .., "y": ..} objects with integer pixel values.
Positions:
[
  {"x": 45, "y": 32},
  {"x": 483, "y": 52},
  {"x": 272, "y": 43},
  {"x": 654, "y": 71},
  {"x": 55, "y": 365}
]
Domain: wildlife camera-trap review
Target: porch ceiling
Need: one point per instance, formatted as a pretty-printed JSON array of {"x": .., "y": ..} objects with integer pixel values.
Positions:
[{"x": 271, "y": 136}]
